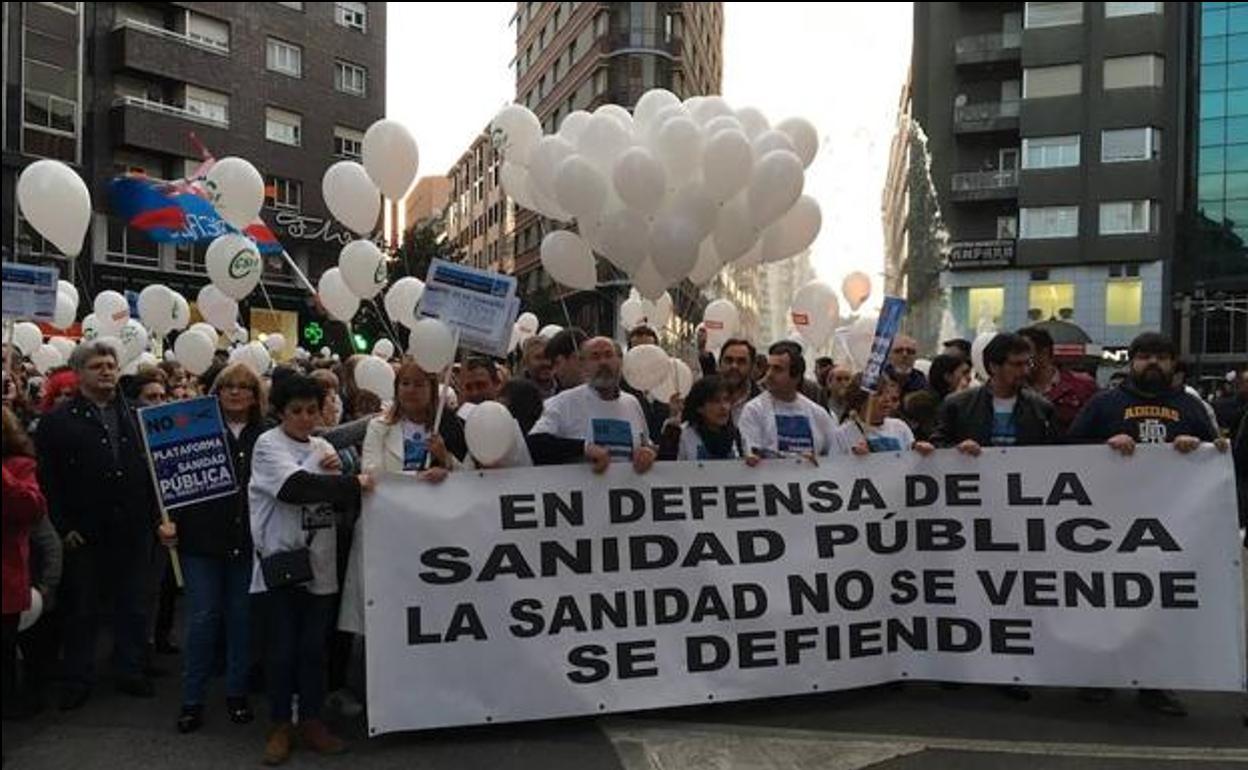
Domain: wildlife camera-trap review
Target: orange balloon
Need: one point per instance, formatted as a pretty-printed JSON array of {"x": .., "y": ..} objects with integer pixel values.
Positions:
[{"x": 856, "y": 288}]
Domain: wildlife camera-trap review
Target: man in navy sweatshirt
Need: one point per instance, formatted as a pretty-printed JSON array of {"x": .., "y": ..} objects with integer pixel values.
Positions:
[{"x": 1146, "y": 409}]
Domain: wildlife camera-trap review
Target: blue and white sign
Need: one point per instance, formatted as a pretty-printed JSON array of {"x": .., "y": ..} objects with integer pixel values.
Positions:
[
  {"x": 885, "y": 331},
  {"x": 187, "y": 449},
  {"x": 29, "y": 292},
  {"x": 480, "y": 304}
]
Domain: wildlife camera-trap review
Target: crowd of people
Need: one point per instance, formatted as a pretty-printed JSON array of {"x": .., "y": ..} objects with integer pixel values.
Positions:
[{"x": 273, "y": 578}]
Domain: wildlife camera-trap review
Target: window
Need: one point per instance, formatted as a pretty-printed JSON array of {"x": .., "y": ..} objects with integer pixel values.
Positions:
[
  {"x": 210, "y": 105},
  {"x": 1122, "y": 145},
  {"x": 286, "y": 58},
  {"x": 600, "y": 82},
  {"x": 601, "y": 22},
  {"x": 283, "y": 127},
  {"x": 1113, "y": 10},
  {"x": 348, "y": 143},
  {"x": 1049, "y": 222},
  {"x": 1144, "y": 71},
  {"x": 1050, "y": 300},
  {"x": 350, "y": 78},
  {"x": 130, "y": 246},
  {"x": 1126, "y": 217},
  {"x": 1123, "y": 299},
  {"x": 283, "y": 193},
  {"x": 1051, "y": 152},
  {"x": 984, "y": 305},
  {"x": 213, "y": 33},
  {"x": 1007, "y": 228},
  {"x": 1039, "y": 15},
  {"x": 351, "y": 15},
  {"x": 1044, "y": 82}
]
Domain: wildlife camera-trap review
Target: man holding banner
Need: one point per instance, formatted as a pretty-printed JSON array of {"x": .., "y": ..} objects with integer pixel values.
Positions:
[{"x": 782, "y": 422}]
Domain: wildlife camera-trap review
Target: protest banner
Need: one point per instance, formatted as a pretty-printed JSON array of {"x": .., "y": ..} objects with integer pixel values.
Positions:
[
  {"x": 481, "y": 306},
  {"x": 886, "y": 329},
  {"x": 536, "y": 593},
  {"x": 29, "y": 291}
]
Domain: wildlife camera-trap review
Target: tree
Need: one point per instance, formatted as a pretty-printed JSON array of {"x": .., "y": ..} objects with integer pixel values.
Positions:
[{"x": 422, "y": 245}]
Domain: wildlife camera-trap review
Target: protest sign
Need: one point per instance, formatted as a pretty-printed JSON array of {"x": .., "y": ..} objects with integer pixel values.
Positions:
[
  {"x": 886, "y": 329},
  {"x": 480, "y": 305},
  {"x": 189, "y": 456}
]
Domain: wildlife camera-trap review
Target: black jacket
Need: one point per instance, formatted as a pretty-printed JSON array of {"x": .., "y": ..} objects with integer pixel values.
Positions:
[
  {"x": 1147, "y": 418},
  {"x": 221, "y": 528},
  {"x": 656, "y": 412},
  {"x": 968, "y": 415},
  {"x": 89, "y": 491}
]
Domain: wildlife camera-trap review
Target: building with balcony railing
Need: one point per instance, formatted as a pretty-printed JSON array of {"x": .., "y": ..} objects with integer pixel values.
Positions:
[{"x": 139, "y": 88}]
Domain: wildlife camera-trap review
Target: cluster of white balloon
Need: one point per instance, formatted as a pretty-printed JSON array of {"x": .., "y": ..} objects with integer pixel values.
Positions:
[{"x": 673, "y": 190}]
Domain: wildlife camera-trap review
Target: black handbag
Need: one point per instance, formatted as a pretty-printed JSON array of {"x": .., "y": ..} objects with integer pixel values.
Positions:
[{"x": 287, "y": 568}]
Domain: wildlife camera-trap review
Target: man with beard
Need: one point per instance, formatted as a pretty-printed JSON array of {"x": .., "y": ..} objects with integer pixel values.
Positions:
[
  {"x": 594, "y": 422},
  {"x": 1145, "y": 409},
  {"x": 736, "y": 369},
  {"x": 535, "y": 367}
]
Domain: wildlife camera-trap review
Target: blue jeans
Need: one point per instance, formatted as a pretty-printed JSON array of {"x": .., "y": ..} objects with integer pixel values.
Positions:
[
  {"x": 297, "y": 624},
  {"x": 216, "y": 590}
]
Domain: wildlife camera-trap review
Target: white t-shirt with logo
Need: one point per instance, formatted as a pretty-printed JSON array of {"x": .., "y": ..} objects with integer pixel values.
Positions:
[
  {"x": 692, "y": 447},
  {"x": 580, "y": 414},
  {"x": 778, "y": 428},
  {"x": 892, "y": 435},
  {"x": 279, "y": 526}
]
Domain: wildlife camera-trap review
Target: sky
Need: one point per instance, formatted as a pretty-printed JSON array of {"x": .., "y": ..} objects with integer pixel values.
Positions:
[{"x": 839, "y": 65}]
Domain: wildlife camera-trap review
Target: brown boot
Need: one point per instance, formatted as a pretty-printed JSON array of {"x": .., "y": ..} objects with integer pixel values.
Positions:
[
  {"x": 316, "y": 736},
  {"x": 277, "y": 747}
]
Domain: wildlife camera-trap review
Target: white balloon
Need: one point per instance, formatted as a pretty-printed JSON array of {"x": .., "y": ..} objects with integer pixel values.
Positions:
[
  {"x": 815, "y": 312},
  {"x": 527, "y": 323},
  {"x": 721, "y": 318},
  {"x": 544, "y": 163},
  {"x": 156, "y": 308},
  {"x": 649, "y": 133},
  {"x": 691, "y": 202},
  {"x": 46, "y": 358},
  {"x": 658, "y": 309},
  {"x": 133, "y": 340},
  {"x": 734, "y": 234},
  {"x": 646, "y": 367},
  {"x": 794, "y": 232},
  {"x": 708, "y": 108},
  {"x": 549, "y": 330},
  {"x": 651, "y": 102},
  {"x": 775, "y": 187},
  {"x": 234, "y": 265},
  {"x": 376, "y": 376},
  {"x": 727, "y": 164},
  {"x": 515, "y": 181},
  {"x": 194, "y": 351},
  {"x": 65, "y": 287},
  {"x": 336, "y": 297},
  {"x": 384, "y": 349},
  {"x": 351, "y": 196},
  {"x": 640, "y": 180},
  {"x": 753, "y": 121},
  {"x": 236, "y": 190},
  {"x": 208, "y": 331},
  {"x": 490, "y": 432},
  {"x": 859, "y": 340},
  {"x": 580, "y": 189},
  {"x": 977, "y": 354},
  {"x": 923, "y": 365},
  {"x": 66, "y": 310},
  {"x": 679, "y": 380},
  {"x": 181, "y": 312},
  {"x": 26, "y": 337},
  {"x": 111, "y": 312},
  {"x": 31, "y": 616},
  {"x": 432, "y": 345},
  {"x": 516, "y": 131},
  {"x": 624, "y": 239},
  {"x": 573, "y": 125},
  {"x": 56, "y": 203},
  {"x": 632, "y": 314},
  {"x": 255, "y": 356},
  {"x": 402, "y": 298},
  {"x": 390, "y": 157},
  {"x": 216, "y": 308},
  {"x": 239, "y": 335},
  {"x": 568, "y": 260},
  {"x": 679, "y": 146},
  {"x": 804, "y": 136},
  {"x": 603, "y": 140},
  {"x": 708, "y": 264},
  {"x": 275, "y": 343},
  {"x": 64, "y": 345},
  {"x": 722, "y": 123},
  {"x": 770, "y": 141},
  {"x": 648, "y": 282},
  {"x": 618, "y": 114},
  {"x": 674, "y": 242},
  {"x": 751, "y": 258},
  {"x": 363, "y": 268}
]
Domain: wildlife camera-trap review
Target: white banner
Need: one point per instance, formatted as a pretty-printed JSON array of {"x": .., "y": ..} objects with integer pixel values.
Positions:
[{"x": 548, "y": 592}]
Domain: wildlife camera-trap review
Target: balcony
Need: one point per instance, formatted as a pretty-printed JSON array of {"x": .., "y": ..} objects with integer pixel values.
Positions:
[
  {"x": 152, "y": 125},
  {"x": 984, "y": 186},
  {"x": 986, "y": 117},
  {"x": 164, "y": 52},
  {"x": 993, "y": 48}
]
